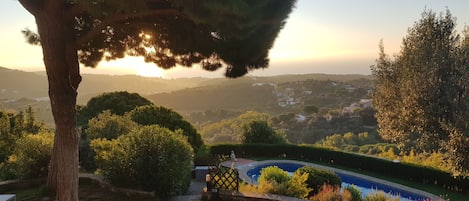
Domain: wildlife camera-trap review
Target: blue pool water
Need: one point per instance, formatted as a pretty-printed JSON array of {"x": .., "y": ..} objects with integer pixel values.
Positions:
[{"x": 364, "y": 185}]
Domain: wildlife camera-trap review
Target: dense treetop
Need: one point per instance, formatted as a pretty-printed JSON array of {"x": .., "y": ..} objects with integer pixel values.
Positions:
[
  {"x": 116, "y": 102},
  {"x": 166, "y": 118}
]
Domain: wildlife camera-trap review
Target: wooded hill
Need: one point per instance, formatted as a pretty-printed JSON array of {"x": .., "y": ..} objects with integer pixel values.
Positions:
[
  {"x": 275, "y": 94},
  {"x": 18, "y": 89},
  {"x": 15, "y": 84}
]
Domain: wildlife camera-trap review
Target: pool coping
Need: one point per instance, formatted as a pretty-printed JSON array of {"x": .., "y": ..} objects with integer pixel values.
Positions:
[{"x": 244, "y": 168}]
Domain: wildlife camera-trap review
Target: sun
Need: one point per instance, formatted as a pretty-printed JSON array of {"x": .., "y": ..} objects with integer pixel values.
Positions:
[
  {"x": 149, "y": 70},
  {"x": 130, "y": 65}
]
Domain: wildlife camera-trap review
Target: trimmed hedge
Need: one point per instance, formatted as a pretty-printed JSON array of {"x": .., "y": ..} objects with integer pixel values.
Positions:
[{"x": 406, "y": 171}]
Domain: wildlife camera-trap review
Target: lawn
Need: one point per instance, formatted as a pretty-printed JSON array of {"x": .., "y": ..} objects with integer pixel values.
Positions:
[{"x": 88, "y": 191}]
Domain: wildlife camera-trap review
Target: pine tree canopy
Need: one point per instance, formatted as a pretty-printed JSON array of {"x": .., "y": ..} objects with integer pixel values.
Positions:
[{"x": 237, "y": 34}]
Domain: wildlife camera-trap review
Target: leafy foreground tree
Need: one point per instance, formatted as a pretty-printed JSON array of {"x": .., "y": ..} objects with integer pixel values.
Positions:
[
  {"x": 421, "y": 96},
  {"x": 30, "y": 157},
  {"x": 150, "y": 158},
  {"x": 184, "y": 32},
  {"x": 14, "y": 127}
]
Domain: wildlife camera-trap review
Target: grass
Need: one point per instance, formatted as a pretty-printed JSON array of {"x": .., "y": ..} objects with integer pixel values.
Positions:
[
  {"x": 33, "y": 193},
  {"x": 443, "y": 193},
  {"x": 87, "y": 192}
]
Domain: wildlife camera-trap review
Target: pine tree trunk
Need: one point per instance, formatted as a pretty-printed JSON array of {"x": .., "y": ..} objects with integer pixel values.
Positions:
[{"x": 60, "y": 59}]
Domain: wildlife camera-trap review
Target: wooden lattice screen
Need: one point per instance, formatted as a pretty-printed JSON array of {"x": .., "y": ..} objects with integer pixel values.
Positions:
[{"x": 224, "y": 178}]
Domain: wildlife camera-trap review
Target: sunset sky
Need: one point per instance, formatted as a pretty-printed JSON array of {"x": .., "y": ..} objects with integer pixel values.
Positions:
[{"x": 335, "y": 37}]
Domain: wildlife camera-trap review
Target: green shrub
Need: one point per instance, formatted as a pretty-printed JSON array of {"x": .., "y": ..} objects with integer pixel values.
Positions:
[
  {"x": 109, "y": 126},
  {"x": 380, "y": 196},
  {"x": 105, "y": 125},
  {"x": 167, "y": 118},
  {"x": 148, "y": 158},
  {"x": 31, "y": 156},
  {"x": 118, "y": 103},
  {"x": 277, "y": 181},
  {"x": 355, "y": 193},
  {"x": 273, "y": 180},
  {"x": 297, "y": 186},
  {"x": 259, "y": 131},
  {"x": 204, "y": 158},
  {"x": 319, "y": 177},
  {"x": 273, "y": 174},
  {"x": 331, "y": 193}
]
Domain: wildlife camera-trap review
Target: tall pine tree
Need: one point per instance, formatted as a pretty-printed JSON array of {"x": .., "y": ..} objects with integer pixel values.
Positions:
[{"x": 212, "y": 33}]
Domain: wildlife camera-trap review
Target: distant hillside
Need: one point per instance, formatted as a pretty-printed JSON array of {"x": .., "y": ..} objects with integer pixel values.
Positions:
[
  {"x": 287, "y": 78},
  {"x": 93, "y": 85},
  {"x": 19, "y": 89},
  {"x": 15, "y": 84},
  {"x": 264, "y": 93},
  {"x": 237, "y": 96}
]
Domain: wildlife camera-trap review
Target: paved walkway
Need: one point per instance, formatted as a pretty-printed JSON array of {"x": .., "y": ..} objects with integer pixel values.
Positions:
[{"x": 193, "y": 194}]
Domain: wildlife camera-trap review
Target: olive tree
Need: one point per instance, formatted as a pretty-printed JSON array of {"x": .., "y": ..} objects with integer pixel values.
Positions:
[{"x": 421, "y": 96}]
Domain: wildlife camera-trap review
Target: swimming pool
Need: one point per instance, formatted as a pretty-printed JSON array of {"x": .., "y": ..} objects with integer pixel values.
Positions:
[{"x": 364, "y": 183}]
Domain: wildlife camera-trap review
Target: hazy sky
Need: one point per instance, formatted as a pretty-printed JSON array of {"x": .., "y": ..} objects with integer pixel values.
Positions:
[{"x": 328, "y": 36}]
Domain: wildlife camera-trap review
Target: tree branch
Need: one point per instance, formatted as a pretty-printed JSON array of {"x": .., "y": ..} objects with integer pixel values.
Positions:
[
  {"x": 119, "y": 17},
  {"x": 73, "y": 11},
  {"x": 32, "y": 6}
]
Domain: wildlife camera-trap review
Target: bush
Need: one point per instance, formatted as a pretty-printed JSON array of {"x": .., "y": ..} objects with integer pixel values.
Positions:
[
  {"x": 331, "y": 193},
  {"x": 277, "y": 181},
  {"x": 380, "y": 196},
  {"x": 105, "y": 125},
  {"x": 118, "y": 102},
  {"x": 318, "y": 178},
  {"x": 354, "y": 192},
  {"x": 297, "y": 186},
  {"x": 148, "y": 158},
  {"x": 109, "y": 126},
  {"x": 30, "y": 158},
  {"x": 204, "y": 158},
  {"x": 259, "y": 131},
  {"x": 273, "y": 174},
  {"x": 167, "y": 118}
]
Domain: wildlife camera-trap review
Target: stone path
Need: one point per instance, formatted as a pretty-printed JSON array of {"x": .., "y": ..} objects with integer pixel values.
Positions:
[{"x": 193, "y": 194}]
